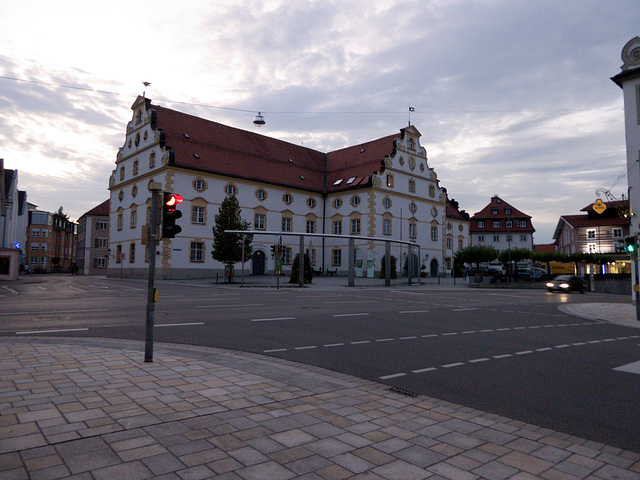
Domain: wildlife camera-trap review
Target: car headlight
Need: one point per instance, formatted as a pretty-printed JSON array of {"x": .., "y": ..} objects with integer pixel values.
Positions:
[
  {"x": 550, "y": 285},
  {"x": 564, "y": 285}
]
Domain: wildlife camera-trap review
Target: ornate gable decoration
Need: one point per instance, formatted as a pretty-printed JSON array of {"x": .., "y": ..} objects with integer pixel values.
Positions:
[{"x": 631, "y": 54}]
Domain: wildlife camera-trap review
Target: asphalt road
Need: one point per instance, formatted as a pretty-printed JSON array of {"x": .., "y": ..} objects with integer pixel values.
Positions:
[{"x": 512, "y": 353}]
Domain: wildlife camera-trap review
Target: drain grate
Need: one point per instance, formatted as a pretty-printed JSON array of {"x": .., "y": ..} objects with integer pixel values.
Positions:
[{"x": 403, "y": 391}]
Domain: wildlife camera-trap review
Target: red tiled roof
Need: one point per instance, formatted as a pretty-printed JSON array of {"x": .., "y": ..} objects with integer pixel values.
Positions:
[
  {"x": 547, "y": 247},
  {"x": 614, "y": 204},
  {"x": 581, "y": 221},
  {"x": 488, "y": 217},
  {"x": 101, "y": 210},
  {"x": 208, "y": 146},
  {"x": 453, "y": 212}
]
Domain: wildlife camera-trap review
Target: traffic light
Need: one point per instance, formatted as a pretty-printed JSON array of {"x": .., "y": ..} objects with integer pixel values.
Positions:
[
  {"x": 630, "y": 245},
  {"x": 170, "y": 214},
  {"x": 273, "y": 250}
]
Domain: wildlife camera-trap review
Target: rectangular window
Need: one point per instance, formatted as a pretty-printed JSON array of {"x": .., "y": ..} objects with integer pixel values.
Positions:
[
  {"x": 35, "y": 247},
  {"x": 494, "y": 211},
  {"x": 509, "y": 238},
  {"x": 522, "y": 224},
  {"x": 386, "y": 226},
  {"x": 134, "y": 219},
  {"x": 286, "y": 255},
  {"x": 197, "y": 215},
  {"x": 311, "y": 226},
  {"x": 523, "y": 238},
  {"x": 434, "y": 233},
  {"x": 496, "y": 224},
  {"x": 592, "y": 248},
  {"x": 132, "y": 253},
  {"x": 460, "y": 244},
  {"x": 481, "y": 238},
  {"x": 480, "y": 223},
  {"x": 119, "y": 254},
  {"x": 617, "y": 232},
  {"x": 43, "y": 261},
  {"x": 355, "y": 226},
  {"x": 447, "y": 262},
  {"x": 35, "y": 232},
  {"x": 412, "y": 186},
  {"x": 591, "y": 234},
  {"x": 336, "y": 258},
  {"x": 102, "y": 226},
  {"x": 389, "y": 180},
  {"x": 100, "y": 262},
  {"x": 43, "y": 247},
  {"x": 135, "y": 167},
  {"x": 259, "y": 220},
  {"x": 413, "y": 231},
  {"x": 449, "y": 243},
  {"x": 102, "y": 242},
  {"x": 197, "y": 252},
  {"x": 509, "y": 224},
  {"x": 120, "y": 221},
  {"x": 286, "y": 224},
  {"x": 496, "y": 238},
  {"x": 336, "y": 227}
]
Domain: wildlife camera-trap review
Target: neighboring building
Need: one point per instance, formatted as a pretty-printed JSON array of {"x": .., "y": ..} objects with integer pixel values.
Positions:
[
  {"x": 50, "y": 236},
  {"x": 502, "y": 226},
  {"x": 456, "y": 233},
  {"x": 92, "y": 252},
  {"x": 629, "y": 80},
  {"x": 545, "y": 248},
  {"x": 12, "y": 223},
  {"x": 383, "y": 188},
  {"x": 594, "y": 232}
]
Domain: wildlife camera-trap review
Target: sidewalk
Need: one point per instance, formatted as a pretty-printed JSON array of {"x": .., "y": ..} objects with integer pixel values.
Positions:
[{"x": 91, "y": 408}]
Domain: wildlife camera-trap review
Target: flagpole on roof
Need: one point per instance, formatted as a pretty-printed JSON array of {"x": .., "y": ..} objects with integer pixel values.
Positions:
[{"x": 411, "y": 109}]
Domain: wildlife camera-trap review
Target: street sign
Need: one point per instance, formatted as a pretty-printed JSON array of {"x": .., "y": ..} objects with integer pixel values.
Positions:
[{"x": 599, "y": 207}]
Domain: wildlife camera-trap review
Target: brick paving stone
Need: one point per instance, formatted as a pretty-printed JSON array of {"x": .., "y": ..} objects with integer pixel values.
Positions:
[
  {"x": 353, "y": 463},
  {"x": 308, "y": 464},
  {"x": 528, "y": 463},
  {"x": 49, "y": 473},
  {"x": 248, "y": 456},
  {"x": 292, "y": 438},
  {"x": 203, "y": 457},
  {"x": 495, "y": 471},
  {"x": 163, "y": 463},
  {"x": 422, "y": 457},
  {"x": 290, "y": 454},
  {"x": 615, "y": 472},
  {"x": 200, "y": 472},
  {"x": 268, "y": 470},
  {"x": 551, "y": 454},
  {"x": 448, "y": 471},
  {"x": 225, "y": 465},
  {"x": 401, "y": 470}
]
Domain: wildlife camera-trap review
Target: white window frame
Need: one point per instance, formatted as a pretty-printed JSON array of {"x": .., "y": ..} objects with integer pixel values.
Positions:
[{"x": 196, "y": 252}]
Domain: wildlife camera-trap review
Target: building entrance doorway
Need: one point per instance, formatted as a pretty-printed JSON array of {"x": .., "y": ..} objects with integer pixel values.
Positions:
[{"x": 258, "y": 263}]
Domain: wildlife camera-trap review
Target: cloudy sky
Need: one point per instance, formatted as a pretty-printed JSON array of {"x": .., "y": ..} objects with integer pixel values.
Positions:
[{"x": 511, "y": 97}]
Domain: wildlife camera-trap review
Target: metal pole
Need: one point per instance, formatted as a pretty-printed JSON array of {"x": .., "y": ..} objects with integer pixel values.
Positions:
[
  {"x": 636, "y": 287},
  {"x": 154, "y": 187},
  {"x": 409, "y": 264},
  {"x": 387, "y": 264},
  {"x": 351, "y": 260},
  {"x": 301, "y": 263},
  {"x": 242, "y": 268}
]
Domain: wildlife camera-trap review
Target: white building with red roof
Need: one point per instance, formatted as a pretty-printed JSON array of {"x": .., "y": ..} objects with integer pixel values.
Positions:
[
  {"x": 383, "y": 188},
  {"x": 502, "y": 226}
]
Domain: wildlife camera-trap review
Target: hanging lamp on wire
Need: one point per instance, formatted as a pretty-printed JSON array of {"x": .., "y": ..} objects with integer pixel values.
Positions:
[{"x": 259, "y": 120}]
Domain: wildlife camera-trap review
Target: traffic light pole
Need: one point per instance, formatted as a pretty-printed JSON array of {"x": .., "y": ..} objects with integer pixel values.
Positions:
[{"x": 155, "y": 188}]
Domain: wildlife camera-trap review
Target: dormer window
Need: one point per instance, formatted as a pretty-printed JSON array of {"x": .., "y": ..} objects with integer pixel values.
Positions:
[
  {"x": 480, "y": 223},
  {"x": 507, "y": 211},
  {"x": 412, "y": 144},
  {"x": 494, "y": 211}
]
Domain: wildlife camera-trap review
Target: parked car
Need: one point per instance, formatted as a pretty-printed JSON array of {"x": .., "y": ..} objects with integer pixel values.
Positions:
[{"x": 566, "y": 283}]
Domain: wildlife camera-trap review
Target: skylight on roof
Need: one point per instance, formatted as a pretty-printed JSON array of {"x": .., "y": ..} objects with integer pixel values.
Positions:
[
  {"x": 186, "y": 135},
  {"x": 196, "y": 155},
  {"x": 350, "y": 181},
  {"x": 338, "y": 182},
  {"x": 301, "y": 177},
  {"x": 362, "y": 151},
  {"x": 290, "y": 161}
]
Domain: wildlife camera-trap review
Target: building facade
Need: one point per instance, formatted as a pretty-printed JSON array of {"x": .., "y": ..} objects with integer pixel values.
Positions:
[
  {"x": 51, "y": 241},
  {"x": 629, "y": 80},
  {"x": 597, "y": 231},
  {"x": 382, "y": 189},
  {"x": 501, "y": 226},
  {"x": 456, "y": 233},
  {"x": 13, "y": 216},
  {"x": 92, "y": 252}
]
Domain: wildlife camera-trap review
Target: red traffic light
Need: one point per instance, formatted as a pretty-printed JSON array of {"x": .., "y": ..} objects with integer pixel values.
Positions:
[{"x": 173, "y": 199}]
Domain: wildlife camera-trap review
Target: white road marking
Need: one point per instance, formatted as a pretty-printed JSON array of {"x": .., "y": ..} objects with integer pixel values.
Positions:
[
  {"x": 464, "y": 309},
  {"x": 53, "y": 331},
  {"x": 360, "y": 342},
  {"x": 451, "y": 365},
  {"x": 350, "y": 315},
  {"x": 629, "y": 368},
  {"x": 57, "y": 312},
  {"x": 275, "y": 350},
  {"x": 306, "y": 348},
  {"x": 395, "y": 375},
  {"x": 334, "y": 345},
  {"x": 414, "y": 311},
  {"x": 385, "y": 339},
  {"x": 178, "y": 324},
  {"x": 10, "y": 290},
  {"x": 478, "y": 360},
  {"x": 271, "y": 319},
  {"x": 504, "y": 355},
  {"x": 230, "y": 306},
  {"x": 423, "y": 370}
]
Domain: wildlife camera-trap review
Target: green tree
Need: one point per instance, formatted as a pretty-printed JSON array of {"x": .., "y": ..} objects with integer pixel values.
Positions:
[
  {"x": 393, "y": 273},
  {"x": 227, "y": 247},
  {"x": 514, "y": 255},
  {"x": 476, "y": 254},
  {"x": 60, "y": 214},
  {"x": 295, "y": 270}
]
